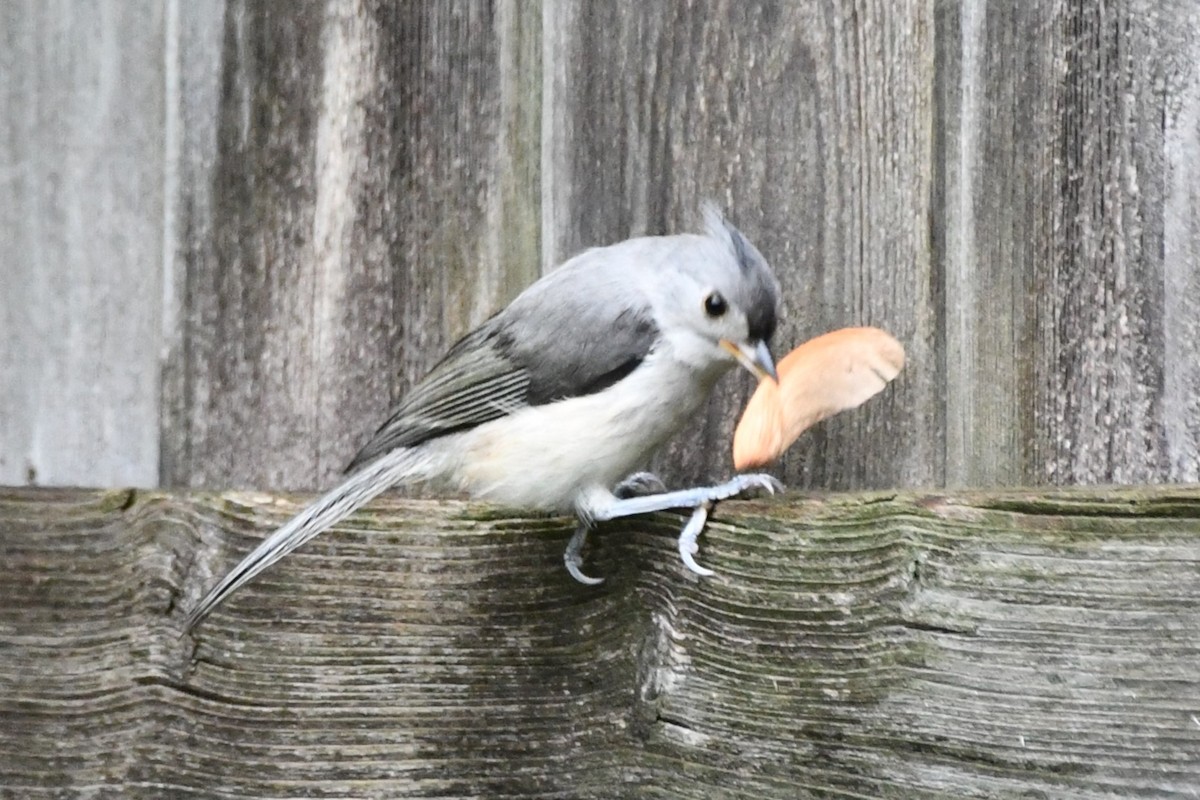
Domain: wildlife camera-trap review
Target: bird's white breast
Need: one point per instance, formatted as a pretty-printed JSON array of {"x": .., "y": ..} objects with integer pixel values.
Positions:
[{"x": 545, "y": 456}]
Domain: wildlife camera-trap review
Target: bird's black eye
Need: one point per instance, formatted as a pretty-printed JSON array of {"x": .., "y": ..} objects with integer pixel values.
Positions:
[{"x": 714, "y": 305}]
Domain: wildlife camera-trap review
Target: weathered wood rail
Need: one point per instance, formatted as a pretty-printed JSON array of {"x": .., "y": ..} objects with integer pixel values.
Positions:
[{"x": 1008, "y": 644}]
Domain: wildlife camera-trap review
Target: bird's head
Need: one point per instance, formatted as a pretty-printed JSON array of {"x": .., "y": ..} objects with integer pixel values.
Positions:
[{"x": 725, "y": 303}]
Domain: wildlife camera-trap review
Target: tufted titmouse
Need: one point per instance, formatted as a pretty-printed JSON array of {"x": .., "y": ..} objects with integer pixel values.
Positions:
[{"x": 557, "y": 398}]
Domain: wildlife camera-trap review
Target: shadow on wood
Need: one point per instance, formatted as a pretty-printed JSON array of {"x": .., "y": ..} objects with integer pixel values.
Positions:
[{"x": 972, "y": 645}]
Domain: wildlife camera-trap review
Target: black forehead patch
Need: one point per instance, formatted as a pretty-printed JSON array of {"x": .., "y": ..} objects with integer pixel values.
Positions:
[
  {"x": 760, "y": 311},
  {"x": 762, "y": 293}
]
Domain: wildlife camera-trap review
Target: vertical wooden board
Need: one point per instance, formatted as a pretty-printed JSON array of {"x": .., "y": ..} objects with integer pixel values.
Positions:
[
  {"x": 999, "y": 73},
  {"x": 81, "y": 171},
  {"x": 875, "y": 263},
  {"x": 1178, "y": 31},
  {"x": 249, "y": 290},
  {"x": 811, "y": 126},
  {"x": 1071, "y": 257},
  {"x": 1101, "y": 302},
  {"x": 374, "y": 196},
  {"x": 193, "y": 86}
]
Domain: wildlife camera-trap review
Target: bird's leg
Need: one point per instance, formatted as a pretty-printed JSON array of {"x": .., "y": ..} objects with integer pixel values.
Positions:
[{"x": 701, "y": 499}]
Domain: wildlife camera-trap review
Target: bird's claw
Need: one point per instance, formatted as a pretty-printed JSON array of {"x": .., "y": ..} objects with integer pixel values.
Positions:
[
  {"x": 573, "y": 557},
  {"x": 688, "y": 546},
  {"x": 577, "y": 574},
  {"x": 744, "y": 484}
]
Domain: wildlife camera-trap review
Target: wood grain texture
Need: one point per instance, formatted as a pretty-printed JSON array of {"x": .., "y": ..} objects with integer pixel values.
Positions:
[
  {"x": 974, "y": 645},
  {"x": 1069, "y": 244},
  {"x": 372, "y": 161},
  {"x": 81, "y": 206},
  {"x": 809, "y": 124}
]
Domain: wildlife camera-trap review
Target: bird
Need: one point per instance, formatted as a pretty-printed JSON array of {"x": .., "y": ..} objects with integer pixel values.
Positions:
[
  {"x": 555, "y": 402},
  {"x": 824, "y": 376}
]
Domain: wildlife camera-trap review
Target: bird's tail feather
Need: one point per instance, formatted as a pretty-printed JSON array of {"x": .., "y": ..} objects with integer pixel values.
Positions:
[{"x": 399, "y": 466}]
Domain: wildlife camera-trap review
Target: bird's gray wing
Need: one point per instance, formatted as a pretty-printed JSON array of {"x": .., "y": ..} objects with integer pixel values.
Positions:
[{"x": 549, "y": 344}]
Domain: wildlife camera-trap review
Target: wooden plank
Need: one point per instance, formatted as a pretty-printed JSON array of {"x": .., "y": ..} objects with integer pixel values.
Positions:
[
  {"x": 1177, "y": 76},
  {"x": 946, "y": 646},
  {"x": 812, "y": 128},
  {"x": 192, "y": 91},
  {"x": 375, "y": 175},
  {"x": 1070, "y": 249},
  {"x": 81, "y": 174}
]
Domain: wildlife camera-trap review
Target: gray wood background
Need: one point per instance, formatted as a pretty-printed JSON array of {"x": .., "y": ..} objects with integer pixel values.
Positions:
[{"x": 233, "y": 233}]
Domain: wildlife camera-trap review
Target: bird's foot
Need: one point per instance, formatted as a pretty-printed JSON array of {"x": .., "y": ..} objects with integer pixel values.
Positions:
[
  {"x": 752, "y": 484},
  {"x": 689, "y": 543},
  {"x": 639, "y": 484},
  {"x": 702, "y": 500}
]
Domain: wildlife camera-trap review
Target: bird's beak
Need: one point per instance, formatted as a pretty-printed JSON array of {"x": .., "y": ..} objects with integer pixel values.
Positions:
[{"x": 754, "y": 357}]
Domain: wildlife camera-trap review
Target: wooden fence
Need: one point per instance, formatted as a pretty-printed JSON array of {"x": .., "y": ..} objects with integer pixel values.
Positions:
[
  {"x": 995, "y": 645},
  {"x": 233, "y": 233}
]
